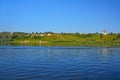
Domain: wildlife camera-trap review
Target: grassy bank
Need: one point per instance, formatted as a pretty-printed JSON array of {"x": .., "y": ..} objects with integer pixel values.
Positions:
[
  {"x": 60, "y": 39},
  {"x": 61, "y": 43}
]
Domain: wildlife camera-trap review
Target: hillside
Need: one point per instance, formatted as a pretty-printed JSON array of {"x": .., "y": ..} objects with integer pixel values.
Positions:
[{"x": 60, "y": 39}]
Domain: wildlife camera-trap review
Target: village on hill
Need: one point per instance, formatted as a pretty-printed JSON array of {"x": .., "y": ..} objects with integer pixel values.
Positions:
[{"x": 51, "y": 38}]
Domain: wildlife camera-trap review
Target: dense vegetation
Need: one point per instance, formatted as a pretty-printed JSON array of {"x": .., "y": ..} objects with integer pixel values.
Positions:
[{"x": 65, "y": 39}]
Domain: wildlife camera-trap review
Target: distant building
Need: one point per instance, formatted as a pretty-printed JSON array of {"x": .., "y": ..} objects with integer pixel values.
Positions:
[
  {"x": 104, "y": 32},
  {"x": 48, "y": 34},
  {"x": 41, "y": 34}
]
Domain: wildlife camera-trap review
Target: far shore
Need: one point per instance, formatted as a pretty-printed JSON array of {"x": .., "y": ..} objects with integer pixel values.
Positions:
[
  {"x": 60, "y": 39},
  {"x": 57, "y": 43}
]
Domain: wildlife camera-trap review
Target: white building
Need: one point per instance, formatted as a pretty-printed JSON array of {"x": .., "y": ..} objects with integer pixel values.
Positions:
[
  {"x": 104, "y": 32},
  {"x": 48, "y": 34}
]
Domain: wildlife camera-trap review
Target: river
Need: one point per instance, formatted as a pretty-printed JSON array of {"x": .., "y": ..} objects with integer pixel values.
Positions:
[{"x": 59, "y": 63}]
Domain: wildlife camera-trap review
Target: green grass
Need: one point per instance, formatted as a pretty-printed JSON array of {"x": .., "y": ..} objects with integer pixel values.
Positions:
[{"x": 55, "y": 39}]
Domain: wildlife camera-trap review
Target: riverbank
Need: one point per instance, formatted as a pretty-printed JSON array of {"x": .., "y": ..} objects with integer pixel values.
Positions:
[
  {"x": 60, "y": 43},
  {"x": 60, "y": 39}
]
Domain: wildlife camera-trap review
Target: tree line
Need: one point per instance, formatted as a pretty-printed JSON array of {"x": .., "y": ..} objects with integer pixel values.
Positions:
[{"x": 39, "y": 35}]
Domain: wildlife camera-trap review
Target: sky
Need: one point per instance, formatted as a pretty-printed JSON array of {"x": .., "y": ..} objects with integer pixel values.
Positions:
[{"x": 87, "y": 16}]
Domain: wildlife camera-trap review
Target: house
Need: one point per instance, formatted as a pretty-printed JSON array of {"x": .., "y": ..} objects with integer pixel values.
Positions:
[{"x": 48, "y": 34}]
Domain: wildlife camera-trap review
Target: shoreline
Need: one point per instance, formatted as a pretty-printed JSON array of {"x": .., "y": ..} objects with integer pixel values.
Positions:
[{"x": 57, "y": 43}]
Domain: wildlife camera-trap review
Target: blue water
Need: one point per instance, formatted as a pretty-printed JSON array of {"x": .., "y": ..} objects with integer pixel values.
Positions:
[{"x": 59, "y": 63}]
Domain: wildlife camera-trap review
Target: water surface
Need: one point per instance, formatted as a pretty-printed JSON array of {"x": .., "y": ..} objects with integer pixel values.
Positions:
[{"x": 59, "y": 63}]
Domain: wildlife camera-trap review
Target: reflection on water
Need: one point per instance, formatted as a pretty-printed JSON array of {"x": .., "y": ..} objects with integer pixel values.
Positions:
[
  {"x": 59, "y": 63},
  {"x": 104, "y": 50}
]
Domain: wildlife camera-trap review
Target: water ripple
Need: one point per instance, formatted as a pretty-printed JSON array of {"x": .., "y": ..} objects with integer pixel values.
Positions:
[{"x": 61, "y": 63}]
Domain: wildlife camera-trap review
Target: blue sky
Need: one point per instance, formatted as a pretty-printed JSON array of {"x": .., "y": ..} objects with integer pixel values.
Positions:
[{"x": 60, "y": 15}]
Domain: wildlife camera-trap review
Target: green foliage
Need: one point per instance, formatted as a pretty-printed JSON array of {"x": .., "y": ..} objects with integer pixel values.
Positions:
[{"x": 73, "y": 39}]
